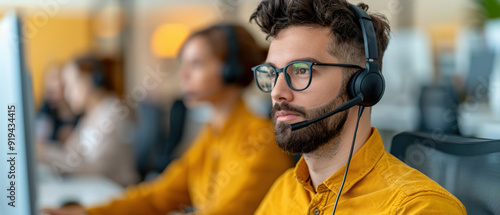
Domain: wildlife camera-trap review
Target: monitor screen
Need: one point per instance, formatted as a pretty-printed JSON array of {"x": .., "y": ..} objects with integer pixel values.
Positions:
[{"x": 17, "y": 191}]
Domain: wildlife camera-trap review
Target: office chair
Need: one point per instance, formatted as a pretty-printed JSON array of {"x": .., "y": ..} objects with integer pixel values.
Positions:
[
  {"x": 177, "y": 121},
  {"x": 153, "y": 146},
  {"x": 149, "y": 131},
  {"x": 469, "y": 168},
  {"x": 438, "y": 106}
]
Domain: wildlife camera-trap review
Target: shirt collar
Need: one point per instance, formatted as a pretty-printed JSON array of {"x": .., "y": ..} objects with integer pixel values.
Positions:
[{"x": 361, "y": 164}]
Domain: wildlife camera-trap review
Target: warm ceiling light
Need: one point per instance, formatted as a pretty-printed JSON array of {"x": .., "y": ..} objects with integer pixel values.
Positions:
[{"x": 167, "y": 39}]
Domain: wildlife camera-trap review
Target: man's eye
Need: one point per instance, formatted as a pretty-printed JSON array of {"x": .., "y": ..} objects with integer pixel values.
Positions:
[
  {"x": 272, "y": 74},
  {"x": 302, "y": 71}
]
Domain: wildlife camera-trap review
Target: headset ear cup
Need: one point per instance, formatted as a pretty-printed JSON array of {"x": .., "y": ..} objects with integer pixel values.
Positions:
[
  {"x": 226, "y": 72},
  {"x": 230, "y": 73},
  {"x": 351, "y": 85},
  {"x": 370, "y": 84},
  {"x": 98, "y": 78},
  {"x": 372, "y": 87}
]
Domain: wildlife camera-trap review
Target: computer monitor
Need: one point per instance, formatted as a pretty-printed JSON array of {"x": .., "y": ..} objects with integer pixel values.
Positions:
[{"x": 17, "y": 183}]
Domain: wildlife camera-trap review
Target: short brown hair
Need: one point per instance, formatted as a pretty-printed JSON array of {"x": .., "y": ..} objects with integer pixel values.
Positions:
[
  {"x": 248, "y": 51},
  {"x": 97, "y": 68},
  {"x": 347, "y": 44}
]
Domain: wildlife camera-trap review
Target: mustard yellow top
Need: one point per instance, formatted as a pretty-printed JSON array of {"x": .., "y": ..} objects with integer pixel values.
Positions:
[
  {"x": 377, "y": 183},
  {"x": 228, "y": 172}
]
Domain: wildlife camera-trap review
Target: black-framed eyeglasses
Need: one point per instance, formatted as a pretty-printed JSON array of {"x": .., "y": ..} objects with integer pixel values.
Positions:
[{"x": 298, "y": 74}]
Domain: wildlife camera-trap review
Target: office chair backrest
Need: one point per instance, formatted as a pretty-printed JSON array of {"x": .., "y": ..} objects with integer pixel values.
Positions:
[
  {"x": 469, "y": 168},
  {"x": 155, "y": 141},
  {"x": 177, "y": 121},
  {"x": 438, "y": 106}
]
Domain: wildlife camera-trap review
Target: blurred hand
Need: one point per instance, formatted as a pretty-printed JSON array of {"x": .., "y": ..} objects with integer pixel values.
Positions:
[
  {"x": 40, "y": 149},
  {"x": 68, "y": 210}
]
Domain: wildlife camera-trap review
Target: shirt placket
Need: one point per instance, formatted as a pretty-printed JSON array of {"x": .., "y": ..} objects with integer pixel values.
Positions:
[{"x": 316, "y": 207}]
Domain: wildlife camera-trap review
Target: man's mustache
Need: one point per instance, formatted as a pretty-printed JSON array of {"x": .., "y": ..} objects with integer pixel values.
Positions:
[{"x": 285, "y": 106}]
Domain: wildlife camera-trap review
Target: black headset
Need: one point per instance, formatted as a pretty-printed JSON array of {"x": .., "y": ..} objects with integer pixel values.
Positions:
[
  {"x": 369, "y": 81},
  {"x": 97, "y": 70},
  {"x": 232, "y": 71}
]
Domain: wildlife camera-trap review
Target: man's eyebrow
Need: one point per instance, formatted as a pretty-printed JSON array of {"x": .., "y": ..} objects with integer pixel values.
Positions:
[
  {"x": 307, "y": 59},
  {"x": 269, "y": 63}
]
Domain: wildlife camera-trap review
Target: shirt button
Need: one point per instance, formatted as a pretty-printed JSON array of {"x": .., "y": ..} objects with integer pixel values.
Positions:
[{"x": 316, "y": 211}]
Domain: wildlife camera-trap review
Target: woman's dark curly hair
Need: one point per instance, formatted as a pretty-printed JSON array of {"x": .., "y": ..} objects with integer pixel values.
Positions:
[{"x": 272, "y": 16}]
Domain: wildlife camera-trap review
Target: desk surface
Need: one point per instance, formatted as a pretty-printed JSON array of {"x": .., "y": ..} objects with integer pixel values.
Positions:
[
  {"x": 478, "y": 120},
  {"x": 53, "y": 191}
]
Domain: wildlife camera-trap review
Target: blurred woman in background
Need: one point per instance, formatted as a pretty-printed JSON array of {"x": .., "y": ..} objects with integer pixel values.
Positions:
[
  {"x": 98, "y": 145},
  {"x": 234, "y": 160},
  {"x": 54, "y": 121}
]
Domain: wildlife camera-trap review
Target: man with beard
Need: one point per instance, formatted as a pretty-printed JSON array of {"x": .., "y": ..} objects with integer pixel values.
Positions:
[{"x": 317, "y": 46}]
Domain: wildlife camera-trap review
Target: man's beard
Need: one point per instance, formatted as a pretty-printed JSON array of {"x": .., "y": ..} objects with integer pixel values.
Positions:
[{"x": 313, "y": 136}]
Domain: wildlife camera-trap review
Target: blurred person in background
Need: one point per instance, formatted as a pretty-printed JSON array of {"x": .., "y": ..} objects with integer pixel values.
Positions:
[
  {"x": 234, "y": 160},
  {"x": 98, "y": 145},
  {"x": 54, "y": 120}
]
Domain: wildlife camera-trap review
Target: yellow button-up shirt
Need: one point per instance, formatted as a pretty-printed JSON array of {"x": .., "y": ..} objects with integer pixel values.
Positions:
[
  {"x": 377, "y": 183},
  {"x": 224, "y": 172}
]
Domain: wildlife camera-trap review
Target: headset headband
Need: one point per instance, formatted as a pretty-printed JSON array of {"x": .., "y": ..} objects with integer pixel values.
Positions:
[
  {"x": 232, "y": 71},
  {"x": 369, "y": 36},
  {"x": 232, "y": 45}
]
